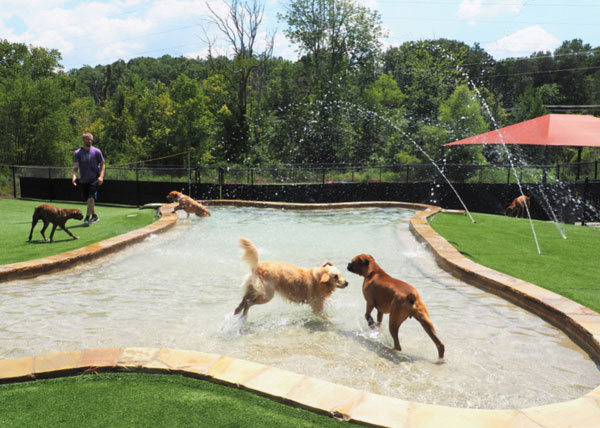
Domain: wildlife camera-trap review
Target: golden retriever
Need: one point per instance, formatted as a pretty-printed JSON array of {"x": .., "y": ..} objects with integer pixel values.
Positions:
[
  {"x": 391, "y": 296},
  {"x": 298, "y": 285},
  {"x": 55, "y": 215},
  {"x": 187, "y": 204}
]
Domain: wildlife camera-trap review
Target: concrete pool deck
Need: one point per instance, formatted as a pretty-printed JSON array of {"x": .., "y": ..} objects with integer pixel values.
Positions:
[{"x": 580, "y": 323}]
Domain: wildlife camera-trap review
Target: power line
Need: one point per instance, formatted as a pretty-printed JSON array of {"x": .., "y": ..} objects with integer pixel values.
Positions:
[{"x": 540, "y": 72}]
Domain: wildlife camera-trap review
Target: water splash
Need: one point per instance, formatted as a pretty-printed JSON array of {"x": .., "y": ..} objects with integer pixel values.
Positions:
[
  {"x": 514, "y": 171},
  {"x": 417, "y": 146}
]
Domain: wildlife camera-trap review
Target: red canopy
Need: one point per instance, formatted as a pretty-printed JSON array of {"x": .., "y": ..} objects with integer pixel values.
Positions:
[{"x": 549, "y": 130}]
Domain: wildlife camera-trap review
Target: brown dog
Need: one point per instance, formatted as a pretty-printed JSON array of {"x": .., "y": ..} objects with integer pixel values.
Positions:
[
  {"x": 187, "y": 204},
  {"x": 517, "y": 207},
  {"x": 296, "y": 284},
  {"x": 55, "y": 215},
  {"x": 392, "y": 296}
]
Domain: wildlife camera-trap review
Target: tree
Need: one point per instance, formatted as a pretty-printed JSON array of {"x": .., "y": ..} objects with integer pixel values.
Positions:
[
  {"x": 241, "y": 26},
  {"x": 35, "y": 100},
  {"x": 339, "y": 44},
  {"x": 460, "y": 116}
]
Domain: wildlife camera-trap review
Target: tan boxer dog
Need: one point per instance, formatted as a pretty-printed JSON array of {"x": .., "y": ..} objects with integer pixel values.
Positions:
[
  {"x": 391, "y": 296},
  {"x": 517, "y": 207},
  {"x": 55, "y": 215}
]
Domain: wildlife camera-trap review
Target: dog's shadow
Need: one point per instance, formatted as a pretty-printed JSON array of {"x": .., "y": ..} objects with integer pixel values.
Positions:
[
  {"x": 379, "y": 348},
  {"x": 58, "y": 229}
]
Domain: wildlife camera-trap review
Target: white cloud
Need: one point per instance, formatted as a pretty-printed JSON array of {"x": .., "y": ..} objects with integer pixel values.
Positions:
[
  {"x": 93, "y": 32},
  {"x": 474, "y": 10},
  {"x": 523, "y": 43}
]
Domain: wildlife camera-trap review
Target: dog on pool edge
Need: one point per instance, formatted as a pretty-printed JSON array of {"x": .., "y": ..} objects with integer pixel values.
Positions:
[
  {"x": 299, "y": 285},
  {"x": 55, "y": 215},
  {"x": 187, "y": 204},
  {"x": 391, "y": 296}
]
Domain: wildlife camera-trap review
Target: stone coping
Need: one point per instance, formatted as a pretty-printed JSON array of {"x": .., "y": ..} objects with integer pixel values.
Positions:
[
  {"x": 298, "y": 390},
  {"x": 69, "y": 259},
  {"x": 579, "y": 322}
]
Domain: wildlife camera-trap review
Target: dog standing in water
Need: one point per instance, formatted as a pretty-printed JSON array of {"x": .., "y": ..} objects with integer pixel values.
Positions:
[
  {"x": 298, "y": 285},
  {"x": 391, "y": 296},
  {"x": 517, "y": 207}
]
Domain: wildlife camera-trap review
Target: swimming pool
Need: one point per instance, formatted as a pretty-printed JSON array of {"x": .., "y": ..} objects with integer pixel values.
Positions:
[{"x": 178, "y": 290}]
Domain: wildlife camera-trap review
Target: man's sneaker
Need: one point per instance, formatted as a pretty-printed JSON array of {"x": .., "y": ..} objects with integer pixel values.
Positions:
[
  {"x": 94, "y": 219},
  {"x": 87, "y": 219}
]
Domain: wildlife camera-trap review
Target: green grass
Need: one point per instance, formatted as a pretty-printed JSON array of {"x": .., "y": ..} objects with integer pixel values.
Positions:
[
  {"x": 133, "y": 400},
  {"x": 16, "y": 224},
  {"x": 568, "y": 267}
]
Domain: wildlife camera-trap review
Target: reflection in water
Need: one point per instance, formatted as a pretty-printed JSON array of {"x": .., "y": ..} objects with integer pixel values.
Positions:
[{"x": 179, "y": 290}]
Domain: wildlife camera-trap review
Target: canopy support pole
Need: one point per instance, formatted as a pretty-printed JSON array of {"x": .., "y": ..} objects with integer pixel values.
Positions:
[{"x": 579, "y": 149}]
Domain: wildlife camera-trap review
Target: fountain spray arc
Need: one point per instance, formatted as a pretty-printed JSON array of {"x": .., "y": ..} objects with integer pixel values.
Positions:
[{"x": 414, "y": 143}]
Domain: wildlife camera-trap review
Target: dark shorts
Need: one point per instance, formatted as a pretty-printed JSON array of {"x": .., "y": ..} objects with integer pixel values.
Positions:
[{"x": 89, "y": 190}]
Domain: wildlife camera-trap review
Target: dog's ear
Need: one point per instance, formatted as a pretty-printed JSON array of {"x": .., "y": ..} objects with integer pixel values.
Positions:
[
  {"x": 327, "y": 264},
  {"x": 364, "y": 261},
  {"x": 325, "y": 278}
]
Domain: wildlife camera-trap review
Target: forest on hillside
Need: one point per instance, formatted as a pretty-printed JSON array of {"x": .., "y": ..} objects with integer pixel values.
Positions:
[{"x": 344, "y": 100}]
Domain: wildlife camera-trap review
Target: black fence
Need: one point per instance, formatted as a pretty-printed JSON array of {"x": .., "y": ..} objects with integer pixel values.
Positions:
[{"x": 570, "y": 192}]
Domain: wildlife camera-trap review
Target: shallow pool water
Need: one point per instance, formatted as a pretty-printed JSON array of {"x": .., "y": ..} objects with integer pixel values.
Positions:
[{"x": 179, "y": 290}]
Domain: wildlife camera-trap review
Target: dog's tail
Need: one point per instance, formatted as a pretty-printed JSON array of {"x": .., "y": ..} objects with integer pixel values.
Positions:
[{"x": 250, "y": 254}]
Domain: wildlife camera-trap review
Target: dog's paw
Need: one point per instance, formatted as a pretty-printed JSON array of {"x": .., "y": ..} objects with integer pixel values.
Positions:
[{"x": 75, "y": 237}]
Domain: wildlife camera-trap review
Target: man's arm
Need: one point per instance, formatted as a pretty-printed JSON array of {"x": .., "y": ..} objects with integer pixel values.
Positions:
[
  {"x": 101, "y": 176},
  {"x": 75, "y": 168}
]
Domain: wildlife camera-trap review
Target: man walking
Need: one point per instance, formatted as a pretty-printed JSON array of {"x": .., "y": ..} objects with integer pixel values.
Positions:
[{"x": 90, "y": 162}]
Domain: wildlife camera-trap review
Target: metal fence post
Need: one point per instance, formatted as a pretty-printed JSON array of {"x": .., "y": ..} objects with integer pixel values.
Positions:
[
  {"x": 221, "y": 180},
  {"x": 14, "y": 174},
  {"x": 137, "y": 185},
  {"x": 50, "y": 183}
]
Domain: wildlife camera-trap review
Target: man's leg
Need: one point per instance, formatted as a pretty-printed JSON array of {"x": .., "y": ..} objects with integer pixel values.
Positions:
[{"x": 91, "y": 204}]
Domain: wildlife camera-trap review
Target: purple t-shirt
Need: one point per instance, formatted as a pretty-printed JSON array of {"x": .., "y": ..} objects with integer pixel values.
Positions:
[{"x": 89, "y": 163}]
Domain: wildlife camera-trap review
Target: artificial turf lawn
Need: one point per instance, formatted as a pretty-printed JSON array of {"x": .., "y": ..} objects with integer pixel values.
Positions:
[
  {"x": 568, "y": 267},
  {"x": 122, "y": 400},
  {"x": 16, "y": 224}
]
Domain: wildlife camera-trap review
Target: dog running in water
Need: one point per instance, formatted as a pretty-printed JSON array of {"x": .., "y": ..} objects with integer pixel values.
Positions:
[
  {"x": 299, "y": 285},
  {"x": 391, "y": 296}
]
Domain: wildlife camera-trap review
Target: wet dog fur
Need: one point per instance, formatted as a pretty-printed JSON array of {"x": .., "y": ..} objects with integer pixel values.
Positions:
[
  {"x": 392, "y": 296},
  {"x": 299, "y": 285},
  {"x": 189, "y": 205}
]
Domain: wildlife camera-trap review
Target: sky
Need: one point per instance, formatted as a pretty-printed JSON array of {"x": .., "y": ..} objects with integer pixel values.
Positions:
[{"x": 104, "y": 31}]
